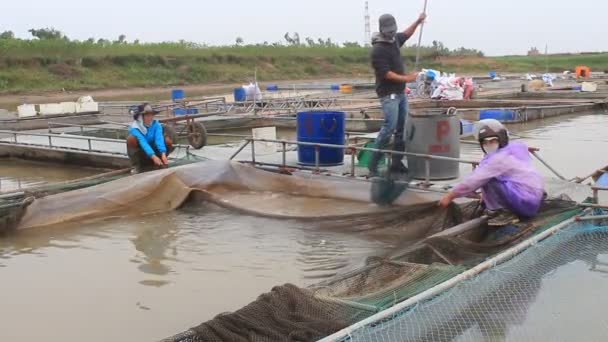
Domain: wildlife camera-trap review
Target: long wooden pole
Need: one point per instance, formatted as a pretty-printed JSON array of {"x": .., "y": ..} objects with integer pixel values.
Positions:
[{"x": 420, "y": 37}]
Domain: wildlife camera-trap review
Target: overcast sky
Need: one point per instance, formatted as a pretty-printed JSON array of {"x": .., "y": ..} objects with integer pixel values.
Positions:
[{"x": 493, "y": 26}]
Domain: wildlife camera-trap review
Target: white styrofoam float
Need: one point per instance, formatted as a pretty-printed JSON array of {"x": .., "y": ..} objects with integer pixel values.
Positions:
[
  {"x": 26, "y": 111},
  {"x": 68, "y": 107},
  {"x": 85, "y": 104},
  {"x": 589, "y": 87},
  {"x": 50, "y": 109}
]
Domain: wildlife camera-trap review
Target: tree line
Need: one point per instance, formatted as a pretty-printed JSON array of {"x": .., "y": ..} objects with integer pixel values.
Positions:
[{"x": 436, "y": 50}]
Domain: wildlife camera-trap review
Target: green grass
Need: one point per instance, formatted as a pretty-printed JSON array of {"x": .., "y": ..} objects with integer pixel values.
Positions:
[
  {"x": 556, "y": 63},
  {"x": 40, "y": 65}
]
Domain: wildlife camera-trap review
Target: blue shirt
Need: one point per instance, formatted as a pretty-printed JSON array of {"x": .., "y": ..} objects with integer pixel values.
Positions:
[{"x": 154, "y": 135}]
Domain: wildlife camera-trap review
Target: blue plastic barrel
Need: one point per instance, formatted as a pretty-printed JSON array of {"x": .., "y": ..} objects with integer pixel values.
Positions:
[
  {"x": 324, "y": 128},
  {"x": 603, "y": 180},
  {"x": 272, "y": 87},
  {"x": 335, "y": 86},
  {"x": 180, "y": 111},
  {"x": 498, "y": 114},
  {"x": 467, "y": 127},
  {"x": 493, "y": 74},
  {"x": 240, "y": 94},
  {"x": 177, "y": 94}
]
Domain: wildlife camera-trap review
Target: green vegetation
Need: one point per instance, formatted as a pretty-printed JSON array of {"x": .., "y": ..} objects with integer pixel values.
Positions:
[
  {"x": 52, "y": 61},
  {"x": 556, "y": 63}
]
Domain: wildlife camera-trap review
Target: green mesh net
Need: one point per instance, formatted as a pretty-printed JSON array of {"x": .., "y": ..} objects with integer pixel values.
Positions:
[
  {"x": 496, "y": 304},
  {"x": 289, "y": 313}
]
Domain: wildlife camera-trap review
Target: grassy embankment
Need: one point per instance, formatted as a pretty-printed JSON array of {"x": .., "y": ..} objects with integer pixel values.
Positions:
[{"x": 41, "y": 65}]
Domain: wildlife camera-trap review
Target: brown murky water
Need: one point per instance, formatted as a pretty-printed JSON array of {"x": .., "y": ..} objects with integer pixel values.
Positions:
[
  {"x": 15, "y": 174},
  {"x": 146, "y": 278}
]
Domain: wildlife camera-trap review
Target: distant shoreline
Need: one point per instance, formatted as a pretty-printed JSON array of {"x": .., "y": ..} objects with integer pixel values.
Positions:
[{"x": 54, "y": 72}]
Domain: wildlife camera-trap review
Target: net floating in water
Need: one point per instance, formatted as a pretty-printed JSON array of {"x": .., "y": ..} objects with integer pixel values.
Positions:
[{"x": 294, "y": 314}]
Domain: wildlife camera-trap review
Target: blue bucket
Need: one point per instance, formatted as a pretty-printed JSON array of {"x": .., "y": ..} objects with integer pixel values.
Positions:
[
  {"x": 177, "y": 94},
  {"x": 272, "y": 87},
  {"x": 335, "y": 86},
  {"x": 323, "y": 128},
  {"x": 240, "y": 94},
  {"x": 498, "y": 114},
  {"x": 180, "y": 111},
  {"x": 493, "y": 74}
]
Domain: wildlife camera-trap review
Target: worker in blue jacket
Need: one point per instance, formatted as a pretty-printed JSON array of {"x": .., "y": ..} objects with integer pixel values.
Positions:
[{"x": 148, "y": 144}]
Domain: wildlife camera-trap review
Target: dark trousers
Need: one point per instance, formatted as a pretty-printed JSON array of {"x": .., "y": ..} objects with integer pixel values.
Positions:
[{"x": 139, "y": 159}]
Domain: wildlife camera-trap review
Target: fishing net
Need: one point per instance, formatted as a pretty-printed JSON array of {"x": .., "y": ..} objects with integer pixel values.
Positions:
[
  {"x": 410, "y": 269},
  {"x": 229, "y": 184},
  {"x": 13, "y": 204},
  {"x": 11, "y": 212},
  {"x": 389, "y": 187},
  {"x": 495, "y": 305},
  {"x": 75, "y": 184},
  {"x": 288, "y": 313}
]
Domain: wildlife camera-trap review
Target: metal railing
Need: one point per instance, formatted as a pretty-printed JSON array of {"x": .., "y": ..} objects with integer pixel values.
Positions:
[
  {"x": 595, "y": 205},
  {"x": 89, "y": 140},
  {"x": 218, "y": 104},
  {"x": 292, "y": 104},
  {"x": 82, "y": 128},
  {"x": 50, "y": 137},
  {"x": 353, "y": 151},
  {"x": 523, "y": 115},
  {"x": 124, "y": 129}
]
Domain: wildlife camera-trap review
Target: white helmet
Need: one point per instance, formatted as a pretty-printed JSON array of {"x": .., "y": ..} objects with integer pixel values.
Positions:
[{"x": 491, "y": 128}]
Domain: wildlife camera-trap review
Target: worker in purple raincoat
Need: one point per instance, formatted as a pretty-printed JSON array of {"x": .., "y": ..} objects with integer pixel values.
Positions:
[{"x": 511, "y": 187}]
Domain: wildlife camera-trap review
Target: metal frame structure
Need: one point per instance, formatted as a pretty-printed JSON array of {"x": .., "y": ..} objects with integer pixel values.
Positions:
[
  {"x": 293, "y": 104},
  {"x": 123, "y": 130},
  {"x": 216, "y": 104},
  {"x": 523, "y": 115},
  {"x": 352, "y": 150},
  {"x": 50, "y": 137},
  {"x": 89, "y": 140}
]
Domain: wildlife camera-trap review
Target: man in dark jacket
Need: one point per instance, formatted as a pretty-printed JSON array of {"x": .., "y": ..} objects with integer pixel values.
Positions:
[{"x": 390, "y": 87}]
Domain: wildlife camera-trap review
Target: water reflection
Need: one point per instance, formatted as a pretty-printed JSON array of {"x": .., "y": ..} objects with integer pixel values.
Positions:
[
  {"x": 503, "y": 297},
  {"x": 157, "y": 243}
]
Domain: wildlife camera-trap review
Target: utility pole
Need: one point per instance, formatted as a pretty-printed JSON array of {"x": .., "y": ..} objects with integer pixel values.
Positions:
[{"x": 367, "y": 40}]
